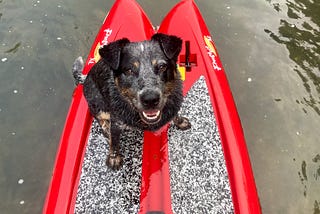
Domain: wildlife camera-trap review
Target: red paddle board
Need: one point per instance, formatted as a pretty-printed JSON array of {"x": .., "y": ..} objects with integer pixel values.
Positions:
[{"x": 198, "y": 61}]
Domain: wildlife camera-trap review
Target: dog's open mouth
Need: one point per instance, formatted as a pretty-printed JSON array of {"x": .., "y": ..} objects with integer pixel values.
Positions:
[{"x": 151, "y": 116}]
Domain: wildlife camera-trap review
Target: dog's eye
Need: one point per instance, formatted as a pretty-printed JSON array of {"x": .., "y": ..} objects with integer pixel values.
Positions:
[
  {"x": 162, "y": 68},
  {"x": 128, "y": 72}
]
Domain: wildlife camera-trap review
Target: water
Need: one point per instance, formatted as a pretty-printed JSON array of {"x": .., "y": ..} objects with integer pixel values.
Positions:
[{"x": 270, "y": 51}]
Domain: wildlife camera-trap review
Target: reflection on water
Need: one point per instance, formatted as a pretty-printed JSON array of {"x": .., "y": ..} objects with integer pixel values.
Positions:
[
  {"x": 14, "y": 49},
  {"x": 316, "y": 207},
  {"x": 301, "y": 35},
  {"x": 303, "y": 177},
  {"x": 299, "y": 32},
  {"x": 313, "y": 166}
]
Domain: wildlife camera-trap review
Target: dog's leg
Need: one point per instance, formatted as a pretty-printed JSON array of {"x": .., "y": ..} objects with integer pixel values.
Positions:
[
  {"x": 114, "y": 160},
  {"x": 182, "y": 123},
  {"x": 110, "y": 130}
]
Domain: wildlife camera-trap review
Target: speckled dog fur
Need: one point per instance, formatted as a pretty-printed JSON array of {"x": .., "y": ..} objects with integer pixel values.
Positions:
[{"x": 137, "y": 85}]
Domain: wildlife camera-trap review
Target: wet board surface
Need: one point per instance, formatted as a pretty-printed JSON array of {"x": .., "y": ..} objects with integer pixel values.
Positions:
[{"x": 199, "y": 179}]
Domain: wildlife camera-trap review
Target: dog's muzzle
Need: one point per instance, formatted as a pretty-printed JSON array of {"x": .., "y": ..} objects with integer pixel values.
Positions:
[{"x": 150, "y": 101}]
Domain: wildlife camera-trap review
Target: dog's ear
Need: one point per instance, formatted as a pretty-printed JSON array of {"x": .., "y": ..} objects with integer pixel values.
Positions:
[
  {"x": 170, "y": 45},
  {"x": 111, "y": 52}
]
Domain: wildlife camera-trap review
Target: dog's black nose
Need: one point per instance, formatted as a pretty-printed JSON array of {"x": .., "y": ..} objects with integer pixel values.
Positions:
[{"x": 150, "y": 99}]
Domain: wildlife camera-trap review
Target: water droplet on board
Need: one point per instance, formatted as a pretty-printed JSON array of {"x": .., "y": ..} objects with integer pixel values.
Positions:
[
  {"x": 4, "y": 59},
  {"x": 21, "y": 202},
  {"x": 20, "y": 181}
]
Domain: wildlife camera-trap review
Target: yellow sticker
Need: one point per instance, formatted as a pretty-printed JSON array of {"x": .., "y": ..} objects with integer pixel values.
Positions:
[
  {"x": 208, "y": 41},
  {"x": 96, "y": 53},
  {"x": 182, "y": 71},
  {"x": 212, "y": 53}
]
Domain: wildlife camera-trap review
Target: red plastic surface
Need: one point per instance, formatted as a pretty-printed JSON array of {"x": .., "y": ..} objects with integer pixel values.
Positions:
[
  {"x": 72, "y": 142},
  {"x": 127, "y": 19},
  {"x": 155, "y": 185},
  {"x": 185, "y": 20}
]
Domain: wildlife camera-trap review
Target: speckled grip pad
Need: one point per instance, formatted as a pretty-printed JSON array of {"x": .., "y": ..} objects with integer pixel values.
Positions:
[{"x": 198, "y": 176}]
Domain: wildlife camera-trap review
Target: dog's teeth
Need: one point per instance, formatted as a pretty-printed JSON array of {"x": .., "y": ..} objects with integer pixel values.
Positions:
[{"x": 151, "y": 116}]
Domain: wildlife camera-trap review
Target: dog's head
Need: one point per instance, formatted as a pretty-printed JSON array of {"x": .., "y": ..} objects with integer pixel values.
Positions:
[{"x": 145, "y": 73}]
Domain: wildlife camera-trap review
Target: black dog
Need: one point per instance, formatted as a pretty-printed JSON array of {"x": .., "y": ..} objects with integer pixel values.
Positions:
[{"x": 137, "y": 85}]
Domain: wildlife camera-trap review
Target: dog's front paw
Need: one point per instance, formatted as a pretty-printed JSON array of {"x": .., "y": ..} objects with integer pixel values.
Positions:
[
  {"x": 182, "y": 123},
  {"x": 114, "y": 161}
]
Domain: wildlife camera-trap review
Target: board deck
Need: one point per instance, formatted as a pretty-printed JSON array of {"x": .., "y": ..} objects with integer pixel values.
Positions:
[
  {"x": 198, "y": 176},
  {"x": 203, "y": 170}
]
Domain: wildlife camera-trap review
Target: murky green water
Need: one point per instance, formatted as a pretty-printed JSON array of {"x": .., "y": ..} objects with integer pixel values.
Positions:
[{"x": 271, "y": 53}]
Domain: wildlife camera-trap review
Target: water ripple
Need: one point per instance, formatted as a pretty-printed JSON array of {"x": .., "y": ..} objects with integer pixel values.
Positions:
[
  {"x": 301, "y": 36},
  {"x": 14, "y": 49}
]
